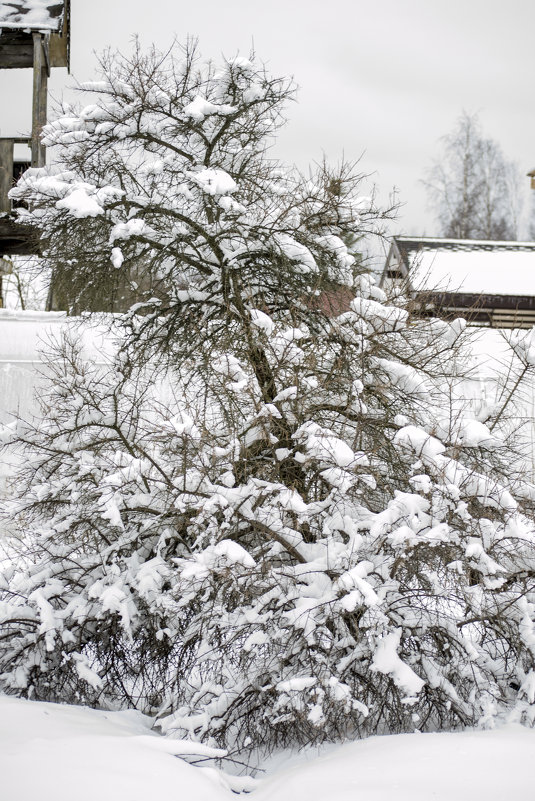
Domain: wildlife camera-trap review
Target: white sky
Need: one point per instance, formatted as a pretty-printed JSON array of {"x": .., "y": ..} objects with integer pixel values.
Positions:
[{"x": 381, "y": 79}]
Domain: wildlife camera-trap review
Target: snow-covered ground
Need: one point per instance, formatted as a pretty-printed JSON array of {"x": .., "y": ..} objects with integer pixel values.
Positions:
[{"x": 50, "y": 752}]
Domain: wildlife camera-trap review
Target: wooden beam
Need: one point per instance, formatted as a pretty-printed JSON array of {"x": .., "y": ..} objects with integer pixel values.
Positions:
[
  {"x": 465, "y": 300},
  {"x": 16, "y": 57},
  {"x": 43, "y": 98},
  {"x": 40, "y": 87},
  {"x": 46, "y": 53},
  {"x": 17, "y": 140},
  {"x": 6, "y": 173},
  {"x": 16, "y": 49},
  {"x": 60, "y": 42}
]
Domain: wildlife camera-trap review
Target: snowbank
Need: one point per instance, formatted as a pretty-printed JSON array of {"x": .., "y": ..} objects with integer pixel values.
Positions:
[
  {"x": 463, "y": 766},
  {"x": 60, "y": 753},
  {"x": 57, "y": 753}
]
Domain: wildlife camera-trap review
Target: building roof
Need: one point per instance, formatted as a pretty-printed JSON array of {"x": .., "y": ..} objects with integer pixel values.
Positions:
[
  {"x": 465, "y": 266},
  {"x": 37, "y": 15}
]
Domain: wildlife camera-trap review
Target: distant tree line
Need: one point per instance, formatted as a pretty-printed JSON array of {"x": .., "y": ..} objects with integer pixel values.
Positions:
[{"x": 475, "y": 191}]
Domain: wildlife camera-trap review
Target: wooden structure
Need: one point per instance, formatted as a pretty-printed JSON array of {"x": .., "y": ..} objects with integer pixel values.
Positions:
[
  {"x": 36, "y": 37},
  {"x": 488, "y": 283},
  {"x": 532, "y": 176}
]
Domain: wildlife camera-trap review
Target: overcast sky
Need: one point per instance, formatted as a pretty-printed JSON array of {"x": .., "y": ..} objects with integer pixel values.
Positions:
[{"x": 381, "y": 79}]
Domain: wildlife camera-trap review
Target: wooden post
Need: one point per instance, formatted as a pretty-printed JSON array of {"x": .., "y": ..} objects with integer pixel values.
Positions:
[
  {"x": 6, "y": 173},
  {"x": 40, "y": 87}
]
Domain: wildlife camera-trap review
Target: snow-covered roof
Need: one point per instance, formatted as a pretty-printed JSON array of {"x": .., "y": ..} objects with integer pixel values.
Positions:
[
  {"x": 466, "y": 266},
  {"x": 41, "y": 15}
]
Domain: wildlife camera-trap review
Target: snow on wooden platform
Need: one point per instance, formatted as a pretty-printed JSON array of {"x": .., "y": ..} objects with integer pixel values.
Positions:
[{"x": 42, "y": 15}]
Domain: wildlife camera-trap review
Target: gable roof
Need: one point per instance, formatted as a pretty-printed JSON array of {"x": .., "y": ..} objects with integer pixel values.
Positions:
[
  {"x": 37, "y": 15},
  {"x": 475, "y": 267}
]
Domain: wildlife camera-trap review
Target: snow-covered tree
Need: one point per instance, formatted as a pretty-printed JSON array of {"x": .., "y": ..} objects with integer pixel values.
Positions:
[{"x": 267, "y": 520}]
